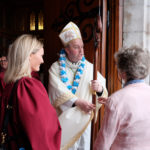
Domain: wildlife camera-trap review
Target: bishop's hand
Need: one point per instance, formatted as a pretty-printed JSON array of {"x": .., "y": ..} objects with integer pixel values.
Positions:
[
  {"x": 84, "y": 105},
  {"x": 96, "y": 86}
]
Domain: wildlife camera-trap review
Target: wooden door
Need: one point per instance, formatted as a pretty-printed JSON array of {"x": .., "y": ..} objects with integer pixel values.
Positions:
[{"x": 59, "y": 12}]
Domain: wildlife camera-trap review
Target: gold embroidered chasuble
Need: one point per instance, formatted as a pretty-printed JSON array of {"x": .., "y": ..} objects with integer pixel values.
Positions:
[{"x": 72, "y": 119}]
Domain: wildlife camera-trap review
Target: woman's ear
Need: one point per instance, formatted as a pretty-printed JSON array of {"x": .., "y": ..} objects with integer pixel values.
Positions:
[
  {"x": 30, "y": 57},
  {"x": 123, "y": 75}
]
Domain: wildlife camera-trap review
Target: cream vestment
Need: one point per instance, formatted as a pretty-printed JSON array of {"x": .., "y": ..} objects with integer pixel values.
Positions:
[{"x": 76, "y": 127}]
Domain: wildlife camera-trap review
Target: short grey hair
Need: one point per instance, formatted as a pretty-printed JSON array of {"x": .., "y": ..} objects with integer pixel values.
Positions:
[
  {"x": 134, "y": 61},
  {"x": 19, "y": 55}
]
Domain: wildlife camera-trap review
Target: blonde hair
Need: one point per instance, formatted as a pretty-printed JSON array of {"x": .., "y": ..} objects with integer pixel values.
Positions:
[{"x": 18, "y": 57}]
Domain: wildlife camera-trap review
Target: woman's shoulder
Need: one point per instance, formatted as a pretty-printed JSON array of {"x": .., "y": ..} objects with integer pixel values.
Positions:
[
  {"x": 31, "y": 87},
  {"x": 30, "y": 82},
  {"x": 27, "y": 80}
]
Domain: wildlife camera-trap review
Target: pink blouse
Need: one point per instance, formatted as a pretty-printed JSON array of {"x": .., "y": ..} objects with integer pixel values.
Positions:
[{"x": 126, "y": 124}]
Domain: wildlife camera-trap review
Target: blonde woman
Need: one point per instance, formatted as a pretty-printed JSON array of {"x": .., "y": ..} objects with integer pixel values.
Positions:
[{"x": 33, "y": 123}]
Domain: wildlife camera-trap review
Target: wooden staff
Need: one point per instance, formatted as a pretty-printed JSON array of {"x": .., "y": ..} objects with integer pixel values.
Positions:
[{"x": 97, "y": 35}]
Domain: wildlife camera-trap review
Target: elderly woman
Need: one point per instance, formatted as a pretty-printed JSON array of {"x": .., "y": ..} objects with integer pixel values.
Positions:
[
  {"x": 33, "y": 122},
  {"x": 126, "y": 124}
]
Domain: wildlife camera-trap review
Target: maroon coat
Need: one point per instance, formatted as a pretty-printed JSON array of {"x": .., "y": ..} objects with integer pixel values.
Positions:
[
  {"x": 34, "y": 118},
  {"x": 2, "y": 84}
]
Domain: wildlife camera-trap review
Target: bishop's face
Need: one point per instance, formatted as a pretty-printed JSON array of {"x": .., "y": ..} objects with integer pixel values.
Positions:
[{"x": 75, "y": 50}]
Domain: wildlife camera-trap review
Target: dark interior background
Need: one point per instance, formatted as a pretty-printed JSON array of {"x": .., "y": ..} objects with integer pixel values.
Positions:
[{"x": 17, "y": 16}]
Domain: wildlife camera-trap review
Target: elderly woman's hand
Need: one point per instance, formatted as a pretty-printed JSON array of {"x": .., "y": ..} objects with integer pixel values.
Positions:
[{"x": 102, "y": 100}]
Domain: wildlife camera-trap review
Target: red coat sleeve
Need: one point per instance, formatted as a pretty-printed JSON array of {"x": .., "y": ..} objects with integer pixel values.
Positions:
[
  {"x": 37, "y": 115},
  {"x": 2, "y": 84}
]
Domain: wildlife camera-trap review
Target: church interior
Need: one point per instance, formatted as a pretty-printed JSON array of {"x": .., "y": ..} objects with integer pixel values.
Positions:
[
  {"x": 123, "y": 23},
  {"x": 45, "y": 19}
]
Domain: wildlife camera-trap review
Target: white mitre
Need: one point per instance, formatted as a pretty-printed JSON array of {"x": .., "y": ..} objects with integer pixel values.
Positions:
[{"x": 69, "y": 33}]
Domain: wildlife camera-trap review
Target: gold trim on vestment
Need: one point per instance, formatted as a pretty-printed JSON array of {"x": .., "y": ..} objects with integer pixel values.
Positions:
[
  {"x": 63, "y": 98},
  {"x": 98, "y": 105},
  {"x": 75, "y": 138},
  {"x": 105, "y": 94}
]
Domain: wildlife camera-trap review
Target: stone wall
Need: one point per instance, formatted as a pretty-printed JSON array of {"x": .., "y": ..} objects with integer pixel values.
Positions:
[{"x": 136, "y": 24}]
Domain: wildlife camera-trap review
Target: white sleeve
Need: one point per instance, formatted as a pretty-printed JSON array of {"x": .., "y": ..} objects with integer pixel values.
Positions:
[{"x": 68, "y": 104}]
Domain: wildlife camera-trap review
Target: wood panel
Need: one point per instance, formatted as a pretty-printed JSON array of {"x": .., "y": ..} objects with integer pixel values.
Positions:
[
  {"x": 103, "y": 50},
  {"x": 55, "y": 20},
  {"x": 115, "y": 42},
  {"x": 81, "y": 12}
]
